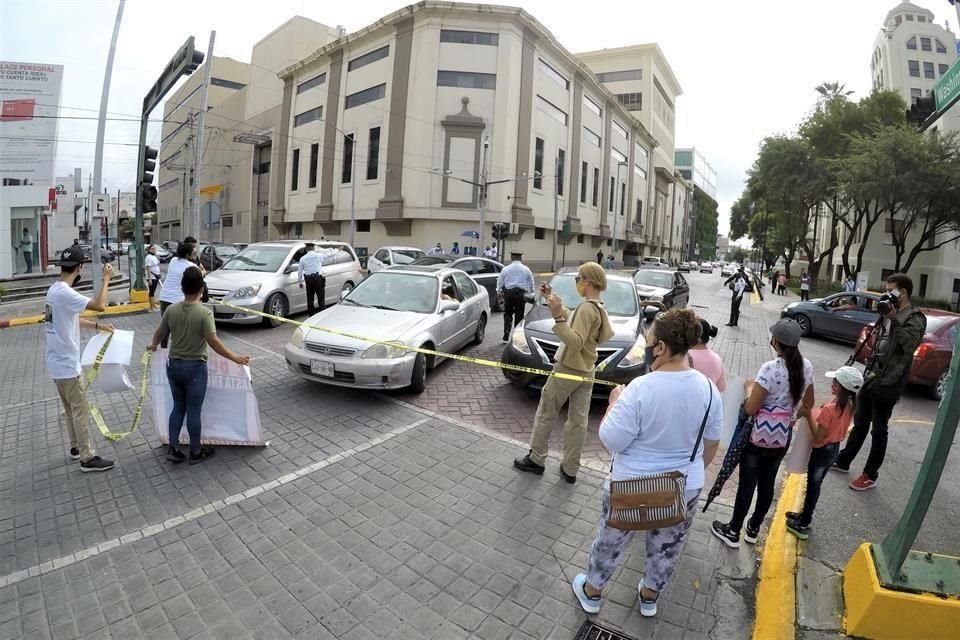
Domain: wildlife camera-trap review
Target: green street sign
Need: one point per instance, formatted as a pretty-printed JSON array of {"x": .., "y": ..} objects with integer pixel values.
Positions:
[{"x": 947, "y": 90}]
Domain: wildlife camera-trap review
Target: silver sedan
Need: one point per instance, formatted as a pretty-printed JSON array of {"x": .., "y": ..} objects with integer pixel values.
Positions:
[{"x": 442, "y": 310}]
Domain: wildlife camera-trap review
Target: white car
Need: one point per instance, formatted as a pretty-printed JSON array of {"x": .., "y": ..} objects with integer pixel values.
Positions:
[
  {"x": 654, "y": 262},
  {"x": 392, "y": 256},
  {"x": 436, "y": 309},
  {"x": 264, "y": 277},
  {"x": 728, "y": 270}
]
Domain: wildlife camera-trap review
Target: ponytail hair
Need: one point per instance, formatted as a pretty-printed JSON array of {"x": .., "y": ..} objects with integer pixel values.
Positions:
[
  {"x": 185, "y": 250},
  {"x": 794, "y": 361},
  {"x": 845, "y": 397}
]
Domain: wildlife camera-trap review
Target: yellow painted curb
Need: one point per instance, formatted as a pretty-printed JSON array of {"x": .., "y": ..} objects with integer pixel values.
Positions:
[
  {"x": 116, "y": 310},
  {"x": 776, "y": 586},
  {"x": 139, "y": 296}
]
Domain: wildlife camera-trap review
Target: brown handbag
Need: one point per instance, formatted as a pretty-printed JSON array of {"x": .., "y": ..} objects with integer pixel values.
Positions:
[{"x": 652, "y": 502}]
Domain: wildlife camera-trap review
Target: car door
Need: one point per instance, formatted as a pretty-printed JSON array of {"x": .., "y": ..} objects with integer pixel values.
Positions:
[
  {"x": 851, "y": 322},
  {"x": 451, "y": 323},
  {"x": 380, "y": 260},
  {"x": 471, "y": 305},
  {"x": 681, "y": 291},
  {"x": 296, "y": 297},
  {"x": 486, "y": 275}
]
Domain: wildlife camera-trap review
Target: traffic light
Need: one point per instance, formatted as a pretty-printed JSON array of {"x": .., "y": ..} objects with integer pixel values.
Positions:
[
  {"x": 921, "y": 109},
  {"x": 195, "y": 61},
  {"x": 148, "y": 192},
  {"x": 501, "y": 230}
]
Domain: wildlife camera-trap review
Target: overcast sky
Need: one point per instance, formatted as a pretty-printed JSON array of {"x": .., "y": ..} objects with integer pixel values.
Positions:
[{"x": 748, "y": 68}]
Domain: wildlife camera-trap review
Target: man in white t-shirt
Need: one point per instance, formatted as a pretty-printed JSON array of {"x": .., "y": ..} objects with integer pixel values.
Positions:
[
  {"x": 61, "y": 324},
  {"x": 152, "y": 265}
]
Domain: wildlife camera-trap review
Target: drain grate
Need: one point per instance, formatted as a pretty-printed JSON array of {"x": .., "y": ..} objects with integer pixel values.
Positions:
[{"x": 593, "y": 631}]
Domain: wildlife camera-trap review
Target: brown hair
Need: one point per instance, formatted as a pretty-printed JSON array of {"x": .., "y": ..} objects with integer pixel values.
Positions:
[
  {"x": 678, "y": 329},
  {"x": 901, "y": 281},
  {"x": 594, "y": 274}
]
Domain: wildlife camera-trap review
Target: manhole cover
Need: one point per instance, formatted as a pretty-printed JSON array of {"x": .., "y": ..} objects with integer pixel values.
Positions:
[{"x": 593, "y": 631}]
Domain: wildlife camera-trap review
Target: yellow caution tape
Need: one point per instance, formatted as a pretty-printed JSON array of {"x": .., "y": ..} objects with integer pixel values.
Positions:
[
  {"x": 95, "y": 411},
  {"x": 429, "y": 352}
]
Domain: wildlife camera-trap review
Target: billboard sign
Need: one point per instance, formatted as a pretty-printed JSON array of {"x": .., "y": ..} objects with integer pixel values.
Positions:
[{"x": 29, "y": 104}]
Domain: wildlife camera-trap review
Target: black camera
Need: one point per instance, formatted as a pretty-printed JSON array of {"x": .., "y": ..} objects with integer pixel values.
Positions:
[{"x": 888, "y": 302}]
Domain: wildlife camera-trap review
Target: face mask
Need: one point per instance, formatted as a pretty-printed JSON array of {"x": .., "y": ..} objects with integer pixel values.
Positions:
[
  {"x": 649, "y": 357},
  {"x": 581, "y": 290},
  {"x": 76, "y": 280}
]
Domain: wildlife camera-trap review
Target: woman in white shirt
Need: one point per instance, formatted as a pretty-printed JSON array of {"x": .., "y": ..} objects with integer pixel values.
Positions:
[
  {"x": 649, "y": 432},
  {"x": 170, "y": 292},
  {"x": 152, "y": 264}
]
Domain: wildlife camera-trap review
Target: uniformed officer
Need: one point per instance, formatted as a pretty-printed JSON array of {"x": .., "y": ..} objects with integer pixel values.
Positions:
[
  {"x": 514, "y": 282},
  {"x": 311, "y": 272}
]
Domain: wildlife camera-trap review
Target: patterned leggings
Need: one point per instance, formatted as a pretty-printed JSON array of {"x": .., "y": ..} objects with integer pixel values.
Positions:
[{"x": 664, "y": 547}]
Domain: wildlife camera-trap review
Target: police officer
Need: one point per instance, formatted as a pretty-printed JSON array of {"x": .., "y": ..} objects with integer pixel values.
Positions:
[
  {"x": 514, "y": 282},
  {"x": 311, "y": 272}
]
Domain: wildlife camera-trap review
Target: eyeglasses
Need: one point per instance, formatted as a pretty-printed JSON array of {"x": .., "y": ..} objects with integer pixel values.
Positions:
[{"x": 578, "y": 279}]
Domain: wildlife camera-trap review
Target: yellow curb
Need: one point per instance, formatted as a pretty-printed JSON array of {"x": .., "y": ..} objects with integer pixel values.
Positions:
[
  {"x": 754, "y": 298},
  {"x": 115, "y": 310},
  {"x": 776, "y": 587}
]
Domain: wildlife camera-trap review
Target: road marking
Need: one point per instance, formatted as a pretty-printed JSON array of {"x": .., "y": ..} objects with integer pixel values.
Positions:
[
  {"x": 27, "y": 404},
  {"x": 213, "y": 507}
]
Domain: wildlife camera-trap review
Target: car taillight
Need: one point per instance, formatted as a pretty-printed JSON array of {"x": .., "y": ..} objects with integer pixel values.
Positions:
[
  {"x": 924, "y": 349},
  {"x": 863, "y": 334}
]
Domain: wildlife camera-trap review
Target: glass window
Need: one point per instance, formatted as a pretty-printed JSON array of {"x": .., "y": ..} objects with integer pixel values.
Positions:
[
  {"x": 229, "y": 84},
  {"x": 368, "y": 58},
  {"x": 613, "y": 192},
  {"x": 912, "y": 43},
  {"x": 346, "y": 171},
  {"x": 921, "y": 18},
  {"x": 619, "y": 298},
  {"x": 632, "y": 101},
  {"x": 915, "y": 93},
  {"x": 561, "y": 170},
  {"x": 653, "y": 278},
  {"x": 619, "y": 157},
  {"x": 400, "y": 291},
  {"x": 365, "y": 96},
  {"x": 295, "y": 171},
  {"x": 623, "y": 197},
  {"x": 316, "y": 81},
  {"x": 468, "y": 288},
  {"x": 596, "y": 186},
  {"x": 942, "y": 68},
  {"x": 314, "y": 161},
  {"x": 539, "y": 233},
  {"x": 552, "y": 110},
  {"x": 640, "y": 156},
  {"x": 406, "y": 256},
  {"x": 373, "y": 154},
  {"x": 909, "y": 17},
  {"x": 310, "y": 115},
  {"x": 254, "y": 258},
  {"x": 928, "y": 70},
  {"x": 584, "y": 169},
  {"x": 914, "y": 67},
  {"x": 620, "y": 76},
  {"x": 591, "y": 105},
  {"x": 466, "y": 79},
  {"x": 940, "y": 47},
  {"x": 925, "y": 44},
  {"x": 591, "y": 137},
  {"x": 485, "y": 266},
  {"x": 553, "y": 74},
  {"x": 469, "y": 37},
  {"x": 619, "y": 129},
  {"x": 538, "y": 164}
]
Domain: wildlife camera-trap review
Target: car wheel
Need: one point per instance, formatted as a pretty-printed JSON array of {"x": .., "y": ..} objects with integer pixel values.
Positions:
[
  {"x": 804, "y": 322},
  {"x": 939, "y": 387},
  {"x": 277, "y": 306},
  {"x": 347, "y": 288},
  {"x": 481, "y": 329},
  {"x": 418, "y": 381}
]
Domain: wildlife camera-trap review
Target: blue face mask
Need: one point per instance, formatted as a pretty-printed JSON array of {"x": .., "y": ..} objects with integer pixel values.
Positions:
[{"x": 649, "y": 357}]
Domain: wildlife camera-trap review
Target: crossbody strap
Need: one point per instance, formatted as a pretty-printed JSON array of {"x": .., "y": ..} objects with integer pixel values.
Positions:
[{"x": 703, "y": 424}]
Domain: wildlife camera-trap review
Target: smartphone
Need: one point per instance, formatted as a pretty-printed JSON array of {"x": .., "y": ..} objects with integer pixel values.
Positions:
[{"x": 545, "y": 289}]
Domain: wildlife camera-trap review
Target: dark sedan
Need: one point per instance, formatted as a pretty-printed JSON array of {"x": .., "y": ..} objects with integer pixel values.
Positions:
[
  {"x": 661, "y": 284},
  {"x": 840, "y": 316},
  {"x": 105, "y": 254},
  {"x": 483, "y": 271},
  {"x": 212, "y": 256},
  {"x": 621, "y": 359}
]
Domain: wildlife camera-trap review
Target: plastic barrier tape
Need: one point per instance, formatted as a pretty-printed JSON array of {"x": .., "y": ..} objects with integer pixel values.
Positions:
[
  {"x": 428, "y": 352},
  {"x": 95, "y": 411}
]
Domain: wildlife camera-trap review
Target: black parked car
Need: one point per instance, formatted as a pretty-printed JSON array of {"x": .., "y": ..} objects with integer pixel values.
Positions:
[
  {"x": 212, "y": 256},
  {"x": 840, "y": 316},
  {"x": 483, "y": 270},
  {"x": 668, "y": 286}
]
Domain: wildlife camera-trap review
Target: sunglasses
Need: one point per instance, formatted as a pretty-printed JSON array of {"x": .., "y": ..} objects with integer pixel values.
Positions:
[{"x": 578, "y": 279}]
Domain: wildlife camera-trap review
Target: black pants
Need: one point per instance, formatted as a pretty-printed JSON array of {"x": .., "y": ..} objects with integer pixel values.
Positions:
[
  {"x": 316, "y": 286},
  {"x": 873, "y": 406},
  {"x": 821, "y": 458},
  {"x": 514, "y": 305},
  {"x": 163, "y": 309},
  {"x": 804, "y": 294},
  {"x": 758, "y": 472},
  {"x": 735, "y": 309}
]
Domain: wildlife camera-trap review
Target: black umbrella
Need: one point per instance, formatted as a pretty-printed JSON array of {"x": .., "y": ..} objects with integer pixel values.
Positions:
[{"x": 741, "y": 435}]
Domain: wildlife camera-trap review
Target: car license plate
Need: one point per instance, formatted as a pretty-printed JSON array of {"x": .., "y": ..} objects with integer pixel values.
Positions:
[{"x": 321, "y": 368}]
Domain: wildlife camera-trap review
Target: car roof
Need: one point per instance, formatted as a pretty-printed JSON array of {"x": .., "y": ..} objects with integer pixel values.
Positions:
[
  {"x": 939, "y": 313},
  {"x": 611, "y": 275},
  {"x": 435, "y": 271},
  {"x": 397, "y": 246},
  {"x": 670, "y": 271}
]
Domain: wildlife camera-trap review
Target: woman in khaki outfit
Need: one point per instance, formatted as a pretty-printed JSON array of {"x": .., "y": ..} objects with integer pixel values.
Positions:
[{"x": 579, "y": 333}]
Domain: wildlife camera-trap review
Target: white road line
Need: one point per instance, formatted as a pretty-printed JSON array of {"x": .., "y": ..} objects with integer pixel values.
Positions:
[
  {"x": 215, "y": 506},
  {"x": 27, "y": 404}
]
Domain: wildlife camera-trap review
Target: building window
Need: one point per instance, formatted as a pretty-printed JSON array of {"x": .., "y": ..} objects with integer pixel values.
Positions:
[
  {"x": 620, "y": 76},
  {"x": 552, "y": 110},
  {"x": 539, "y": 233},
  {"x": 227, "y": 221},
  {"x": 632, "y": 101},
  {"x": 640, "y": 156},
  {"x": 623, "y": 197},
  {"x": 466, "y": 79},
  {"x": 295, "y": 171},
  {"x": 914, "y": 67},
  {"x": 639, "y": 212},
  {"x": 365, "y": 96},
  {"x": 591, "y": 105},
  {"x": 925, "y": 44},
  {"x": 553, "y": 74},
  {"x": 943, "y": 68},
  {"x": 310, "y": 115},
  {"x": 922, "y": 18},
  {"x": 368, "y": 58},
  {"x": 619, "y": 129},
  {"x": 580, "y": 238},
  {"x": 363, "y": 226},
  {"x": 641, "y": 173},
  {"x": 228, "y": 84},
  {"x": 940, "y": 47},
  {"x": 928, "y": 70},
  {"x": 914, "y": 94},
  {"x": 619, "y": 157},
  {"x": 314, "y": 161},
  {"x": 538, "y": 164},
  {"x": 584, "y": 169},
  {"x": 596, "y": 186},
  {"x": 909, "y": 17},
  {"x": 346, "y": 172},
  {"x": 912, "y": 43},
  {"x": 311, "y": 83},
  {"x": 469, "y": 37},
  {"x": 613, "y": 193},
  {"x": 373, "y": 154},
  {"x": 591, "y": 137},
  {"x": 561, "y": 170}
]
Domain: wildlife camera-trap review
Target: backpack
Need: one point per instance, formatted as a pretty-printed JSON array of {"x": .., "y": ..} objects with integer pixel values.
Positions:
[{"x": 771, "y": 428}]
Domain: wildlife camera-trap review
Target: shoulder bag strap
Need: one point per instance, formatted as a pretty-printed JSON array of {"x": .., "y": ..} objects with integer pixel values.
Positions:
[{"x": 703, "y": 424}]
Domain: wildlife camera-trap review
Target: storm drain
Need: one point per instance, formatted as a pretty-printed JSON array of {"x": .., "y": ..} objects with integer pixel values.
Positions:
[{"x": 593, "y": 631}]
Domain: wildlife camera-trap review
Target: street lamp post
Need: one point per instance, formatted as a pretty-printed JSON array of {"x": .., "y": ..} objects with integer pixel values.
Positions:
[
  {"x": 616, "y": 213},
  {"x": 556, "y": 213}
]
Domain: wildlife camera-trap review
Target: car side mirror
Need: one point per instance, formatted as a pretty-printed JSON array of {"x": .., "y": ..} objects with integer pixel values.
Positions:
[
  {"x": 293, "y": 266},
  {"x": 449, "y": 305},
  {"x": 650, "y": 313}
]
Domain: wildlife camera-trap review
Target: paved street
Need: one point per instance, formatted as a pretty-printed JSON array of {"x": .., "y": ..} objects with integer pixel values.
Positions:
[{"x": 368, "y": 516}]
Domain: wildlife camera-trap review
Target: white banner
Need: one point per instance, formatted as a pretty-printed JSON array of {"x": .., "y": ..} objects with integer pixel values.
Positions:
[
  {"x": 112, "y": 377},
  {"x": 230, "y": 415},
  {"x": 29, "y": 105}
]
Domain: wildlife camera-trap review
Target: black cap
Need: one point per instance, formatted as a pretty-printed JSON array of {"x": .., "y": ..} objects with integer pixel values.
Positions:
[
  {"x": 787, "y": 332},
  {"x": 71, "y": 257}
]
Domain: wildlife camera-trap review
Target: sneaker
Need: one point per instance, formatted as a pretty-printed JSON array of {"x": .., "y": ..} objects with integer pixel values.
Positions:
[
  {"x": 175, "y": 455},
  {"x": 836, "y": 467},
  {"x": 863, "y": 483},
  {"x": 74, "y": 453},
  {"x": 590, "y": 605},
  {"x": 729, "y": 537},
  {"x": 648, "y": 607},
  {"x": 566, "y": 476},
  {"x": 528, "y": 465},
  {"x": 203, "y": 454},
  {"x": 96, "y": 463},
  {"x": 793, "y": 515},
  {"x": 751, "y": 534},
  {"x": 801, "y": 531}
]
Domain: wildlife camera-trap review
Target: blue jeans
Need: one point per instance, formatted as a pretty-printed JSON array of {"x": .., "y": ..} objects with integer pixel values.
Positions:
[
  {"x": 820, "y": 460},
  {"x": 188, "y": 384}
]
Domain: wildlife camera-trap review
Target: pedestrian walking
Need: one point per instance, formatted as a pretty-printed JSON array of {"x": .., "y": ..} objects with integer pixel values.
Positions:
[
  {"x": 436, "y": 250},
  {"x": 738, "y": 284},
  {"x": 190, "y": 327},
  {"x": 152, "y": 267},
  {"x": 775, "y": 282},
  {"x": 828, "y": 427},
  {"x": 704, "y": 360},
  {"x": 600, "y": 257},
  {"x": 804, "y": 286},
  {"x": 310, "y": 276},
  {"x": 170, "y": 292},
  {"x": 455, "y": 250},
  {"x": 61, "y": 325},
  {"x": 610, "y": 264},
  {"x": 26, "y": 247},
  {"x": 850, "y": 285},
  {"x": 900, "y": 332},
  {"x": 649, "y": 433},
  {"x": 782, "y": 284},
  {"x": 579, "y": 333},
  {"x": 773, "y": 398},
  {"x": 514, "y": 283}
]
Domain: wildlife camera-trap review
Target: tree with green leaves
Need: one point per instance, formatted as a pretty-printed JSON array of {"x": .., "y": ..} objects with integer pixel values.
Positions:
[{"x": 705, "y": 220}]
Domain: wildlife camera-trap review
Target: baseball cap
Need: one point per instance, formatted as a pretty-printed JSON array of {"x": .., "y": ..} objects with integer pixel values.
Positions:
[
  {"x": 849, "y": 378},
  {"x": 71, "y": 257},
  {"x": 787, "y": 332}
]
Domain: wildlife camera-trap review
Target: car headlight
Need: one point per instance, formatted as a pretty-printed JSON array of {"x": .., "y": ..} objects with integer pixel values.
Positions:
[
  {"x": 246, "y": 292},
  {"x": 385, "y": 351},
  {"x": 790, "y": 306},
  {"x": 636, "y": 355},
  {"x": 297, "y": 338},
  {"x": 518, "y": 339}
]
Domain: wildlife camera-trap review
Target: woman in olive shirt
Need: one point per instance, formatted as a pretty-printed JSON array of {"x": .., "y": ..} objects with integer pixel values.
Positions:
[{"x": 190, "y": 327}]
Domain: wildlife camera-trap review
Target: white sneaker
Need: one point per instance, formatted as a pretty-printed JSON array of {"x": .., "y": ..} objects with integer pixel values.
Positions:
[
  {"x": 590, "y": 605},
  {"x": 648, "y": 608}
]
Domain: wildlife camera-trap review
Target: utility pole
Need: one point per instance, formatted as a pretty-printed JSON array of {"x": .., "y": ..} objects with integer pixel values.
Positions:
[
  {"x": 353, "y": 188},
  {"x": 484, "y": 184},
  {"x": 556, "y": 212},
  {"x": 198, "y": 146}
]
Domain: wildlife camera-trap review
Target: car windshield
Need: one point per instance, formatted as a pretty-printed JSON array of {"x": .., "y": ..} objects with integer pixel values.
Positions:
[
  {"x": 225, "y": 251},
  {"x": 396, "y": 292},
  {"x": 406, "y": 256},
  {"x": 654, "y": 279},
  {"x": 266, "y": 259},
  {"x": 619, "y": 298}
]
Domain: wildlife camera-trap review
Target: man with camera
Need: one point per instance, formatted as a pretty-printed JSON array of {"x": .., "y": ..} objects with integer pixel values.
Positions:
[{"x": 899, "y": 331}]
